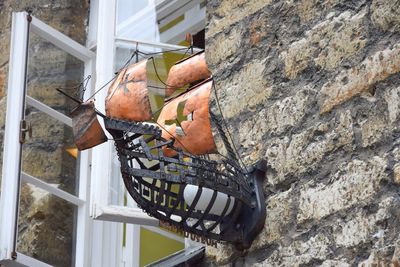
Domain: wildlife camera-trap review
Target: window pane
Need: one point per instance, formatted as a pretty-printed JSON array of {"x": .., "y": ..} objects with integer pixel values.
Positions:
[
  {"x": 50, "y": 154},
  {"x": 154, "y": 246},
  {"x": 50, "y": 68},
  {"x": 46, "y": 227},
  {"x": 159, "y": 20}
]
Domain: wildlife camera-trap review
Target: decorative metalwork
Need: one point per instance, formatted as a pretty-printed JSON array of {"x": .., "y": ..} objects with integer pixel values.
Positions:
[{"x": 157, "y": 183}]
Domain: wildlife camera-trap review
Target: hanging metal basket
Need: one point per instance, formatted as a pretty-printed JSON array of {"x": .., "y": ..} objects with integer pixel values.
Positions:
[{"x": 175, "y": 189}]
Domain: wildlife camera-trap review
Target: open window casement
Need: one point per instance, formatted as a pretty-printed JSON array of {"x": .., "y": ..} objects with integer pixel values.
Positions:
[
  {"x": 125, "y": 26},
  {"x": 118, "y": 34},
  {"x": 39, "y": 160}
]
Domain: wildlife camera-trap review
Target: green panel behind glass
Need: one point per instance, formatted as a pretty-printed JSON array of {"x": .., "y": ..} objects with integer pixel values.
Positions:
[{"x": 154, "y": 246}]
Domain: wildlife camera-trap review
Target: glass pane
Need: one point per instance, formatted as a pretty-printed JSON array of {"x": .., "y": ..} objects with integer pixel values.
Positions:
[
  {"x": 154, "y": 246},
  {"x": 141, "y": 13},
  {"x": 46, "y": 227},
  {"x": 50, "y": 154},
  {"x": 50, "y": 68},
  {"x": 159, "y": 20}
]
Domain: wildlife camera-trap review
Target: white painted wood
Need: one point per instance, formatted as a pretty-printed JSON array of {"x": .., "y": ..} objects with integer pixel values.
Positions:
[
  {"x": 84, "y": 222},
  {"x": 51, "y": 189},
  {"x": 91, "y": 40},
  {"x": 107, "y": 236},
  {"x": 31, "y": 262},
  {"x": 49, "y": 111},
  {"x": 165, "y": 46},
  {"x": 132, "y": 247},
  {"x": 125, "y": 214},
  {"x": 60, "y": 40},
  {"x": 101, "y": 154},
  {"x": 12, "y": 147}
]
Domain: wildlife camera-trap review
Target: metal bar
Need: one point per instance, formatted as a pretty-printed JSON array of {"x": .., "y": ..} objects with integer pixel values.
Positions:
[
  {"x": 49, "y": 111},
  {"x": 51, "y": 189}
]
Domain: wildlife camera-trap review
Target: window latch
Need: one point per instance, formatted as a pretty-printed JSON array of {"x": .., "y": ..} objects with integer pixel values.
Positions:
[{"x": 25, "y": 127}]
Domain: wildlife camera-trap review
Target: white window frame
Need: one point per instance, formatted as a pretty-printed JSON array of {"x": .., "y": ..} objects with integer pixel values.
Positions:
[
  {"x": 102, "y": 154},
  {"x": 12, "y": 147}
]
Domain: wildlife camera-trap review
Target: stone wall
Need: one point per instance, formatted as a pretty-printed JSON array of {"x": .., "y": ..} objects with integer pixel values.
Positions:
[
  {"x": 314, "y": 87},
  {"x": 46, "y": 223}
]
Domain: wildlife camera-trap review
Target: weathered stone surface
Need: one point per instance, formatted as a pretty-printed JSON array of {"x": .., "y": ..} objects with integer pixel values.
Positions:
[
  {"x": 308, "y": 10},
  {"x": 280, "y": 211},
  {"x": 386, "y": 15},
  {"x": 332, "y": 196},
  {"x": 335, "y": 263},
  {"x": 396, "y": 173},
  {"x": 300, "y": 252},
  {"x": 46, "y": 223},
  {"x": 392, "y": 98},
  {"x": 306, "y": 150},
  {"x": 364, "y": 227},
  {"x": 248, "y": 85},
  {"x": 3, "y": 81},
  {"x": 327, "y": 44},
  {"x": 358, "y": 181},
  {"x": 230, "y": 12},
  {"x": 288, "y": 111},
  {"x": 222, "y": 254},
  {"x": 373, "y": 130},
  {"x": 352, "y": 82},
  {"x": 375, "y": 260},
  {"x": 224, "y": 46}
]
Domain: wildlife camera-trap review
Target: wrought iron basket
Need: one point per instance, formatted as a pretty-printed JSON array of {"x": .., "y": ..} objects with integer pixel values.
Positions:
[{"x": 157, "y": 183}]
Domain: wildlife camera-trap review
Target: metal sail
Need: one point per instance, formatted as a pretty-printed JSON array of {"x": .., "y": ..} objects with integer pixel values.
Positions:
[
  {"x": 127, "y": 97},
  {"x": 186, "y": 119},
  {"x": 189, "y": 70}
]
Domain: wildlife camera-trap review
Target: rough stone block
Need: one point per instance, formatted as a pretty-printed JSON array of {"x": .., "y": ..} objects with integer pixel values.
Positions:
[
  {"x": 280, "y": 211},
  {"x": 223, "y": 46},
  {"x": 392, "y": 98},
  {"x": 247, "y": 85},
  {"x": 335, "y": 263},
  {"x": 385, "y": 14},
  {"x": 3, "y": 83},
  {"x": 357, "y": 181},
  {"x": 230, "y": 12},
  {"x": 364, "y": 227},
  {"x": 288, "y": 111},
  {"x": 352, "y": 82},
  {"x": 300, "y": 252},
  {"x": 373, "y": 130},
  {"x": 304, "y": 151},
  {"x": 220, "y": 255},
  {"x": 396, "y": 173},
  {"x": 327, "y": 44}
]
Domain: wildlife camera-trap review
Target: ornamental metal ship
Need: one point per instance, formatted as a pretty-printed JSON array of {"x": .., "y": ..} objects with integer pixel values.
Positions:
[{"x": 165, "y": 153}]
